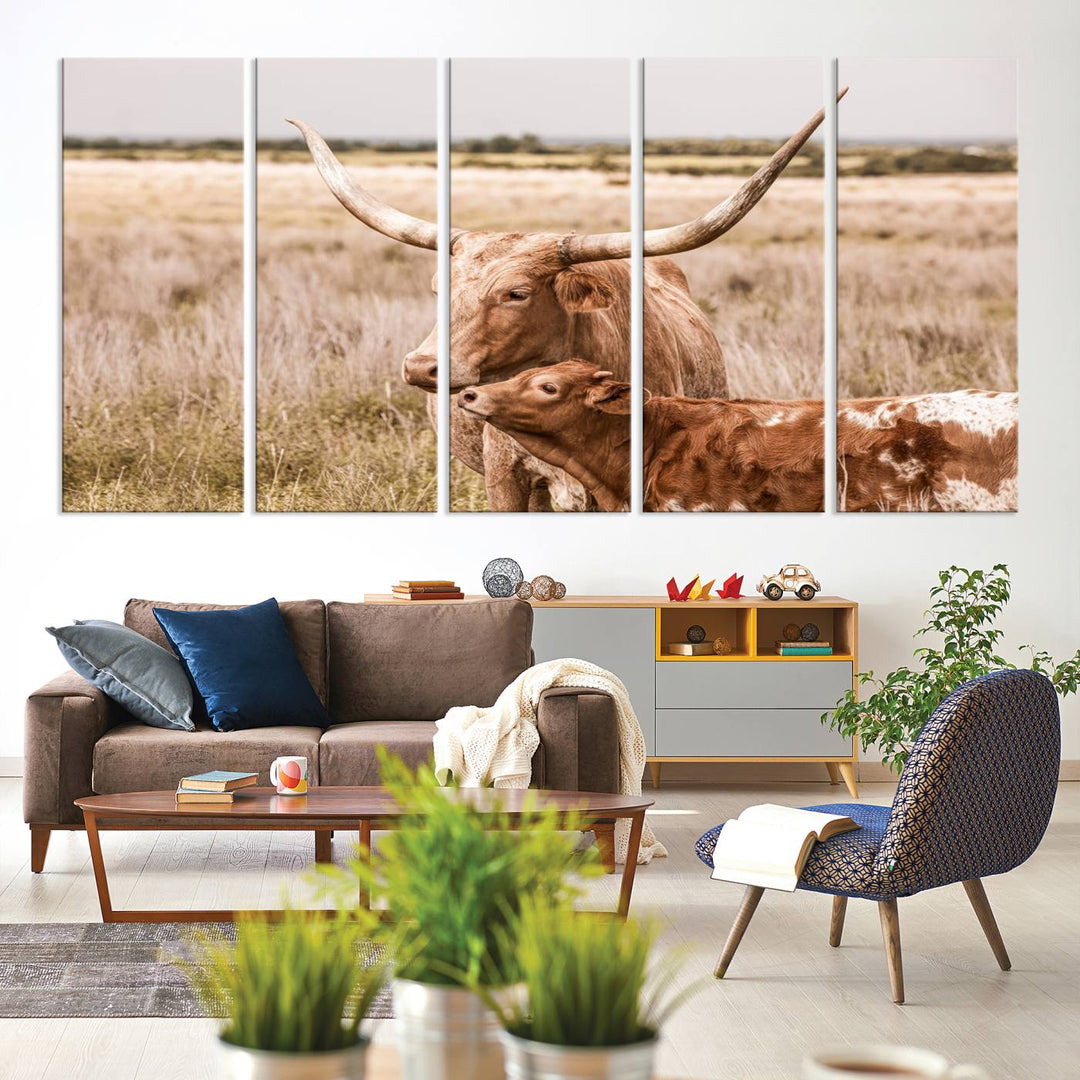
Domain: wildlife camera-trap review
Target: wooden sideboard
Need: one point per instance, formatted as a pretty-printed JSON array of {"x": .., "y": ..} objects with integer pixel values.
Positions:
[{"x": 748, "y": 705}]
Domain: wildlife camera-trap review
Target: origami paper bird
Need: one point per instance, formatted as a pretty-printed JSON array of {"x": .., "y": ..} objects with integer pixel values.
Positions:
[
  {"x": 677, "y": 594},
  {"x": 732, "y": 588}
]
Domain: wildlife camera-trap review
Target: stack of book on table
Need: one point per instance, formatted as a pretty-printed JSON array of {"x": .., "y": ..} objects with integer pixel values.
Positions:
[
  {"x": 213, "y": 787},
  {"x": 427, "y": 590},
  {"x": 804, "y": 648},
  {"x": 690, "y": 648}
]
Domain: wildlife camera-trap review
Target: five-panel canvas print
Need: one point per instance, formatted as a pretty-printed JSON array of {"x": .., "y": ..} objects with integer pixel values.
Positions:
[{"x": 736, "y": 285}]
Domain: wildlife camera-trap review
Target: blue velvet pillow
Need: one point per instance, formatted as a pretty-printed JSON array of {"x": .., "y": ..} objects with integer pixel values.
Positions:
[
  {"x": 144, "y": 678},
  {"x": 244, "y": 666}
]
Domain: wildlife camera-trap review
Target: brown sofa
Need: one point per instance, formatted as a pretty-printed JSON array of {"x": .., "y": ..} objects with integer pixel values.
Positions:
[{"x": 385, "y": 672}]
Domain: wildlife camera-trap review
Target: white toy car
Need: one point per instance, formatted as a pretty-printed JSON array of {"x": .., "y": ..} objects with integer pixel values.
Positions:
[{"x": 791, "y": 578}]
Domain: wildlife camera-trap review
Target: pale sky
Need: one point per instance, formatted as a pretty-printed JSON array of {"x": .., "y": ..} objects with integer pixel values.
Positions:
[
  {"x": 921, "y": 100},
  {"x": 949, "y": 100},
  {"x": 348, "y": 99},
  {"x": 890, "y": 99},
  {"x": 154, "y": 99},
  {"x": 745, "y": 98},
  {"x": 552, "y": 98}
]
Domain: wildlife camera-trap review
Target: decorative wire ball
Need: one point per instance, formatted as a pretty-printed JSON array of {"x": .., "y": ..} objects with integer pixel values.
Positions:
[
  {"x": 501, "y": 577},
  {"x": 791, "y": 632},
  {"x": 695, "y": 634},
  {"x": 524, "y": 590},
  {"x": 560, "y": 591},
  {"x": 543, "y": 587},
  {"x": 721, "y": 646},
  {"x": 810, "y": 632}
]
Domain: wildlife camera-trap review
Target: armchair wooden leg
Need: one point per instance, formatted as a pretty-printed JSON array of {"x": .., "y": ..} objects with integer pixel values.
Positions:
[
  {"x": 977, "y": 895},
  {"x": 747, "y": 908},
  {"x": 39, "y": 844},
  {"x": 890, "y": 934},
  {"x": 836, "y": 923}
]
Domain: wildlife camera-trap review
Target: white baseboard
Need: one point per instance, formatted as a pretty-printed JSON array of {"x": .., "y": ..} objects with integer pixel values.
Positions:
[
  {"x": 755, "y": 772},
  {"x": 705, "y": 772}
]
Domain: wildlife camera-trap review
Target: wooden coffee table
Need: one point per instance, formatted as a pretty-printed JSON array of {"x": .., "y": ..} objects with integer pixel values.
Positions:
[{"x": 323, "y": 810}]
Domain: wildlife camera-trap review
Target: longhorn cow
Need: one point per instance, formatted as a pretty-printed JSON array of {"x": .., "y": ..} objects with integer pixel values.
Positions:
[{"x": 522, "y": 300}]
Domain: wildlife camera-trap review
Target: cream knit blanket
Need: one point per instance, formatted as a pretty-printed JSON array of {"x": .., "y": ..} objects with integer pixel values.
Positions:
[{"x": 495, "y": 746}]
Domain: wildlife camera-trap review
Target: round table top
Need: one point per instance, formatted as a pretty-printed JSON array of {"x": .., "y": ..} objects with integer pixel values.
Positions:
[{"x": 353, "y": 803}]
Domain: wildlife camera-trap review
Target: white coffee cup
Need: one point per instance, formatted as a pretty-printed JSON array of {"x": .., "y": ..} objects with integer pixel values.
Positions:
[
  {"x": 877, "y": 1061},
  {"x": 289, "y": 775}
]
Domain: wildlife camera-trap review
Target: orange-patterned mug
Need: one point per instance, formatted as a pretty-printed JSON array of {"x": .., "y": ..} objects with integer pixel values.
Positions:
[{"x": 289, "y": 775}]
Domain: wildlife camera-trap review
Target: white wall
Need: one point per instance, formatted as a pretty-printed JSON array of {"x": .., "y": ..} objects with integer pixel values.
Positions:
[{"x": 56, "y": 567}]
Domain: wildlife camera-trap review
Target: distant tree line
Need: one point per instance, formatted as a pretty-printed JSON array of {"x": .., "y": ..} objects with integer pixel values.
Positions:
[{"x": 73, "y": 142}]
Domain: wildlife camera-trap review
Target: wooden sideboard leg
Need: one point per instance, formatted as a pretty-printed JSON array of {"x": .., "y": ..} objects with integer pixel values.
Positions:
[
  {"x": 847, "y": 771},
  {"x": 605, "y": 844},
  {"x": 749, "y": 904},
  {"x": 834, "y": 772},
  {"x": 654, "y": 769},
  {"x": 836, "y": 923},
  {"x": 39, "y": 844},
  {"x": 890, "y": 934},
  {"x": 323, "y": 852},
  {"x": 977, "y": 895}
]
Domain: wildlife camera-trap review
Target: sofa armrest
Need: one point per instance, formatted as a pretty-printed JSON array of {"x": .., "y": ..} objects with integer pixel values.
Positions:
[
  {"x": 579, "y": 734},
  {"x": 64, "y": 719}
]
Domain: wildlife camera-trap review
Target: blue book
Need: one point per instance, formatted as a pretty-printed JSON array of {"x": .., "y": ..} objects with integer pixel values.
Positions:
[{"x": 218, "y": 780}]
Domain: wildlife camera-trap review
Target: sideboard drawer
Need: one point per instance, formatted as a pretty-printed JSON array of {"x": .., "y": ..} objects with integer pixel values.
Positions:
[
  {"x": 746, "y": 733},
  {"x": 732, "y": 684}
]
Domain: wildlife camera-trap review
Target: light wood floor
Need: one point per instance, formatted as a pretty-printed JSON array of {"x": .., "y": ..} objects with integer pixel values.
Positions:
[{"x": 786, "y": 991}]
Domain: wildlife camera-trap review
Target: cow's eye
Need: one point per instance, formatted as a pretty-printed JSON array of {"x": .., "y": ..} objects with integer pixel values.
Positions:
[
  {"x": 549, "y": 388},
  {"x": 517, "y": 294}
]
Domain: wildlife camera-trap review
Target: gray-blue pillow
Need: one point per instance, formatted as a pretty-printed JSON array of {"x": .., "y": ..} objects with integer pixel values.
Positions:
[{"x": 144, "y": 678}]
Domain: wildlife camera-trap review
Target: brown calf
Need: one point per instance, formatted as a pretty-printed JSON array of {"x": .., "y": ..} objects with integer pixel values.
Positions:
[{"x": 954, "y": 451}]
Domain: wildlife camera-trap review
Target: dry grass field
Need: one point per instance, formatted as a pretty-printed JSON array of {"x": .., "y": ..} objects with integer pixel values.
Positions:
[
  {"x": 152, "y": 303},
  {"x": 153, "y": 353},
  {"x": 926, "y": 284},
  {"x": 339, "y": 306}
]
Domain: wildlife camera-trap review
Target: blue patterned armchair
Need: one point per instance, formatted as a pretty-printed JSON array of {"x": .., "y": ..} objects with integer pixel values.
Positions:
[{"x": 974, "y": 799}]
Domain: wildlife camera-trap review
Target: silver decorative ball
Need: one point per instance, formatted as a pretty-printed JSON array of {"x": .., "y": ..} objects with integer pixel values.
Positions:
[
  {"x": 501, "y": 577},
  {"x": 695, "y": 634},
  {"x": 810, "y": 632}
]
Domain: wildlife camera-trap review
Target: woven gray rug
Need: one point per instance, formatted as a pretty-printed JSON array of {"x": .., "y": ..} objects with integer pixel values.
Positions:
[{"x": 108, "y": 969}]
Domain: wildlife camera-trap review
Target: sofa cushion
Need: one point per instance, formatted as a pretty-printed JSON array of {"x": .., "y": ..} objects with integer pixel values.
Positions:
[
  {"x": 244, "y": 666},
  {"x": 304, "y": 619},
  {"x": 414, "y": 662},
  {"x": 347, "y": 754},
  {"x": 133, "y": 757},
  {"x": 147, "y": 680}
]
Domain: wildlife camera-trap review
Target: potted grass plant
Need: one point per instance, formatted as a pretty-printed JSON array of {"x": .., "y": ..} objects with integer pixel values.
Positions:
[
  {"x": 453, "y": 880},
  {"x": 592, "y": 1004},
  {"x": 293, "y": 993}
]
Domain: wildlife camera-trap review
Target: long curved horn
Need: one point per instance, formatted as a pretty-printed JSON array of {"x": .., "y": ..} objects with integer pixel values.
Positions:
[
  {"x": 380, "y": 216},
  {"x": 702, "y": 230}
]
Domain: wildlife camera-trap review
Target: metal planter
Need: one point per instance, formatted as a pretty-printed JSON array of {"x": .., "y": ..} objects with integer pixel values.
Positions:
[
  {"x": 445, "y": 1033},
  {"x": 239, "y": 1063},
  {"x": 528, "y": 1060}
]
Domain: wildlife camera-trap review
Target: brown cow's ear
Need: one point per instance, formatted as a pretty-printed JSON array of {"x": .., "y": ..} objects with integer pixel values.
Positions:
[
  {"x": 578, "y": 290},
  {"x": 611, "y": 397}
]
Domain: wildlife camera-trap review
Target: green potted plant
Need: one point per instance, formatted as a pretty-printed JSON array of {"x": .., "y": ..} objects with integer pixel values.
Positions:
[
  {"x": 592, "y": 1006},
  {"x": 452, "y": 879},
  {"x": 293, "y": 993},
  {"x": 964, "y": 608}
]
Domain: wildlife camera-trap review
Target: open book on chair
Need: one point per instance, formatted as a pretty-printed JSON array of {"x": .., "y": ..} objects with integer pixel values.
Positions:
[{"x": 768, "y": 845}]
